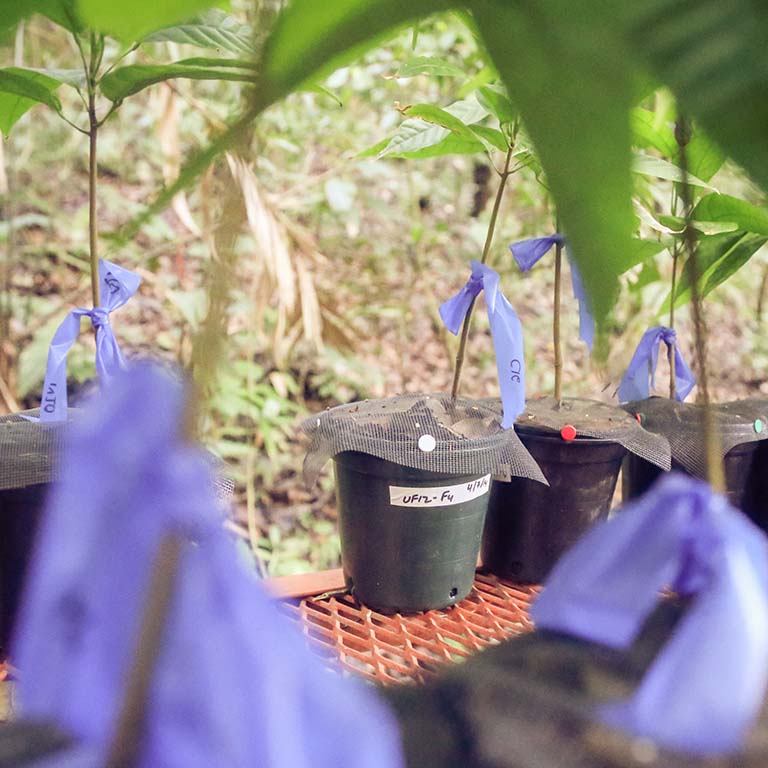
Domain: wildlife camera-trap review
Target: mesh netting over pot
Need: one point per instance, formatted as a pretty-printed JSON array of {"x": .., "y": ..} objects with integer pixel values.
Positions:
[
  {"x": 592, "y": 419},
  {"x": 30, "y": 453},
  {"x": 430, "y": 432},
  {"x": 682, "y": 424}
]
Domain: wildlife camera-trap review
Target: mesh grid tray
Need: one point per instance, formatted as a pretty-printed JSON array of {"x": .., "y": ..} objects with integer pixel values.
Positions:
[{"x": 353, "y": 639}]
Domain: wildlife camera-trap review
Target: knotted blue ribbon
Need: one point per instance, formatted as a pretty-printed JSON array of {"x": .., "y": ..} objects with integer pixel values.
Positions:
[
  {"x": 117, "y": 286},
  {"x": 706, "y": 686},
  {"x": 638, "y": 381},
  {"x": 506, "y": 330},
  {"x": 528, "y": 252}
]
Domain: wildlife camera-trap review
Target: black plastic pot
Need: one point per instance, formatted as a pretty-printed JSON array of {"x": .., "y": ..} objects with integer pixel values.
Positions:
[
  {"x": 639, "y": 475},
  {"x": 739, "y": 427},
  {"x": 21, "y": 510},
  {"x": 530, "y": 525},
  {"x": 418, "y": 553}
]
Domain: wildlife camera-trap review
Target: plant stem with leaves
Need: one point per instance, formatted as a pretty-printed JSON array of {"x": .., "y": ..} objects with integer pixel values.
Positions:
[
  {"x": 715, "y": 473},
  {"x": 503, "y": 176}
]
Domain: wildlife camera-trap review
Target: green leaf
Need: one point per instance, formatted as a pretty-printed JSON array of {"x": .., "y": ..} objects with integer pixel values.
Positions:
[
  {"x": 724, "y": 208},
  {"x": 131, "y": 21},
  {"x": 75, "y": 78},
  {"x": 638, "y": 252},
  {"x": 437, "y": 132},
  {"x": 648, "y": 133},
  {"x": 496, "y": 101},
  {"x": 566, "y": 70},
  {"x": 491, "y": 137},
  {"x": 429, "y": 65},
  {"x": 422, "y": 146},
  {"x": 20, "y": 90},
  {"x": 711, "y": 53},
  {"x": 432, "y": 114},
  {"x": 61, "y": 11},
  {"x": 213, "y": 29},
  {"x": 705, "y": 158},
  {"x": 125, "y": 81},
  {"x": 375, "y": 150},
  {"x": 719, "y": 257},
  {"x": 646, "y": 165}
]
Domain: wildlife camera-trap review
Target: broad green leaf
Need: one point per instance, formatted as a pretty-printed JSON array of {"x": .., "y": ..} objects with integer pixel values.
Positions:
[
  {"x": 125, "y": 81},
  {"x": 433, "y": 114},
  {"x": 323, "y": 91},
  {"x": 646, "y": 165},
  {"x": 724, "y": 208},
  {"x": 491, "y": 137},
  {"x": 75, "y": 78},
  {"x": 496, "y": 101},
  {"x": 567, "y": 72},
  {"x": 705, "y": 158},
  {"x": 429, "y": 65},
  {"x": 719, "y": 257},
  {"x": 415, "y": 139},
  {"x": 648, "y": 133},
  {"x": 131, "y": 21},
  {"x": 637, "y": 252},
  {"x": 648, "y": 274},
  {"x": 375, "y": 150},
  {"x": 677, "y": 224},
  {"x": 201, "y": 61},
  {"x": 213, "y": 29},
  {"x": 711, "y": 53},
  {"x": 485, "y": 76},
  {"x": 20, "y": 90},
  {"x": 61, "y": 11}
]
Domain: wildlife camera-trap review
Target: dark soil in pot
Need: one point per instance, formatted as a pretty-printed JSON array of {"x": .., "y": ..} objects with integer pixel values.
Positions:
[
  {"x": 409, "y": 537},
  {"x": 742, "y": 427},
  {"x": 579, "y": 445}
]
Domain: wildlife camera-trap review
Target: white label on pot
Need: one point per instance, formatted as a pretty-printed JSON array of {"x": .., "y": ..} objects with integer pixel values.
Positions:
[{"x": 443, "y": 496}]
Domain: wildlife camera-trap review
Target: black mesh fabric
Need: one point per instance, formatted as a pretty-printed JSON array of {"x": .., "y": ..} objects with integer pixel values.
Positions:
[
  {"x": 682, "y": 424},
  {"x": 430, "y": 432},
  {"x": 593, "y": 419},
  {"x": 30, "y": 453}
]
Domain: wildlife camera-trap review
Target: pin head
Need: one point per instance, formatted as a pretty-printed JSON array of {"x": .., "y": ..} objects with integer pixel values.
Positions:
[
  {"x": 568, "y": 433},
  {"x": 758, "y": 426},
  {"x": 427, "y": 443}
]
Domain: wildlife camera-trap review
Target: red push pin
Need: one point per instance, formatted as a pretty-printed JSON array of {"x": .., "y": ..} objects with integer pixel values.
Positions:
[
  {"x": 568, "y": 433},
  {"x": 639, "y": 417}
]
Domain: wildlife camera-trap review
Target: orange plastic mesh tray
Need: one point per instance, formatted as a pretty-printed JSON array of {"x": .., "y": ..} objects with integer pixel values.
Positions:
[{"x": 356, "y": 640}]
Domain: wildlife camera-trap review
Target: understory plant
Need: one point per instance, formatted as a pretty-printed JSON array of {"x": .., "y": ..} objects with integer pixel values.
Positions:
[{"x": 108, "y": 69}]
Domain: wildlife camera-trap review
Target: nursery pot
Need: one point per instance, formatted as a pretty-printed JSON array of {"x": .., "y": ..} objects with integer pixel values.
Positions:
[
  {"x": 409, "y": 537},
  {"x": 530, "y": 525},
  {"x": 681, "y": 423},
  {"x": 20, "y": 514},
  {"x": 638, "y": 475}
]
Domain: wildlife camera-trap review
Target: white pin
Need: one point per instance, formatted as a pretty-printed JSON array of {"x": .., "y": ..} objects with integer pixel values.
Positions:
[{"x": 427, "y": 443}]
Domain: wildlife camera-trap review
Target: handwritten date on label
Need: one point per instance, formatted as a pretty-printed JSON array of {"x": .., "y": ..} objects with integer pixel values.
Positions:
[{"x": 444, "y": 496}]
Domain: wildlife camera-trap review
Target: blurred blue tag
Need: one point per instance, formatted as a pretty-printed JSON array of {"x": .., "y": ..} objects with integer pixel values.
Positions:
[{"x": 706, "y": 686}]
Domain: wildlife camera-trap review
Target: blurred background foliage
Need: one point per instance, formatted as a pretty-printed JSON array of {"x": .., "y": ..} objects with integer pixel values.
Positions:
[{"x": 359, "y": 201}]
